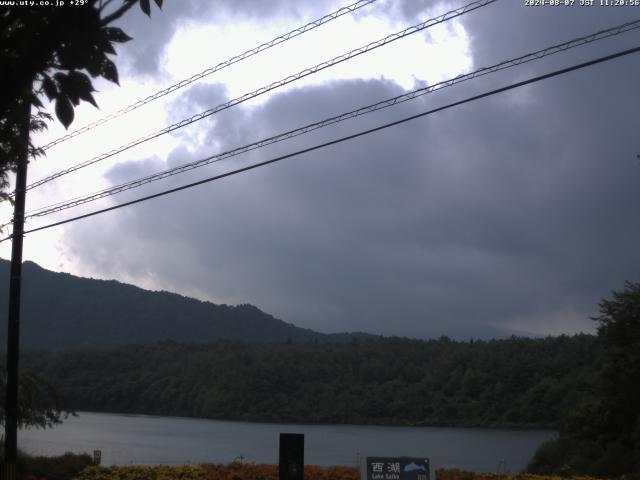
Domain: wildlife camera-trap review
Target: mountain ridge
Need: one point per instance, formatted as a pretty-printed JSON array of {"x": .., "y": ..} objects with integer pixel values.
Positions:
[{"x": 62, "y": 311}]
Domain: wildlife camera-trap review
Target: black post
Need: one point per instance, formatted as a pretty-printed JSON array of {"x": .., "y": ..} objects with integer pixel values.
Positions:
[
  {"x": 15, "y": 283},
  {"x": 291, "y": 464}
]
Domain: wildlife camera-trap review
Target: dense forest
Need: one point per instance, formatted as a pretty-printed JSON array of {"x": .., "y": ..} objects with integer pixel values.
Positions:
[{"x": 518, "y": 382}]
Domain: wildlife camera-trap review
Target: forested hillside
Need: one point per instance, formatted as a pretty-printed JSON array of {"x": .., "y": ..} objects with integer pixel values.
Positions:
[
  {"x": 514, "y": 382},
  {"x": 61, "y": 311}
]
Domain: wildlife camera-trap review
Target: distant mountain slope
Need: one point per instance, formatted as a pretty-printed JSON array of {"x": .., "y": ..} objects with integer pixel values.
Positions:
[{"x": 61, "y": 311}]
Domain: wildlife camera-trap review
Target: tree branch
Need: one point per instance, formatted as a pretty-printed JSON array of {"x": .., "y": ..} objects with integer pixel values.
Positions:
[{"x": 118, "y": 13}]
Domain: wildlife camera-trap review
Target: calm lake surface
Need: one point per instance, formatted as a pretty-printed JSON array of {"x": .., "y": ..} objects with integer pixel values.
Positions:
[{"x": 150, "y": 440}]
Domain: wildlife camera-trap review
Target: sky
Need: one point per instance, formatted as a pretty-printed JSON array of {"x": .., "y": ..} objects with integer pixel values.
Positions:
[{"x": 514, "y": 214}]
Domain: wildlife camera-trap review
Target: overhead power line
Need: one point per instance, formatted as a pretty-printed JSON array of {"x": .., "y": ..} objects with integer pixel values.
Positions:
[
  {"x": 341, "y": 139},
  {"x": 194, "y": 78},
  {"x": 70, "y": 203},
  {"x": 291, "y": 78}
]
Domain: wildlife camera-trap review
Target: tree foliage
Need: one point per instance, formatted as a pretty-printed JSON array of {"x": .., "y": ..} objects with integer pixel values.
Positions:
[
  {"x": 39, "y": 404},
  {"x": 53, "y": 53},
  {"x": 514, "y": 382},
  {"x": 601, "y": 436}
]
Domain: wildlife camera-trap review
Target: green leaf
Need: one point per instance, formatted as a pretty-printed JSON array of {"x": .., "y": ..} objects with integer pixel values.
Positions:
[
  {"x": 94, "y": 64},
  {"x": 109, "y": 71},
  {"x": 80, "y": 81},
  {"x": 107, "y": 47},
  {"x": 36, "y": 101},
  {"x": 69, "y": 86},
  {"x": 159, "y": 3},
  {"x": 87, "y": 97},
  {"x": 49, "y": 87},
  {"x": 65, "y": 88},
  {"x": 75, "y": 52},
  {"x": 44, "y": 116},
  {"x": 145, "y": 7},
  {"x": 114, "y": 34},
  {"x": 64, "y": 111}
]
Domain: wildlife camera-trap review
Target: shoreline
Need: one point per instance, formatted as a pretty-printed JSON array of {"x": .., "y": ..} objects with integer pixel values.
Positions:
[{"x": 442, "y": 425}]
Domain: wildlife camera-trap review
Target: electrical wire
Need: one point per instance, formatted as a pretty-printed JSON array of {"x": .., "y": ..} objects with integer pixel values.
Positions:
[
  {"x": 70, "y": 203},
  {"x": 304, "y": 73},
  {"x": 243, "y": 56},
  {"x": 341, "y": 139}
]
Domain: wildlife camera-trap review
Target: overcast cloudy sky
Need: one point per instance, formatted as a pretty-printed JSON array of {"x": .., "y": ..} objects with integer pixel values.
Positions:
[{"x": 515, "y": 213}]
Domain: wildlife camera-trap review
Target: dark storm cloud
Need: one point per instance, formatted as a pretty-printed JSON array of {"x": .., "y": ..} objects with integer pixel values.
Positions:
[{"x": 518, "y": 210}]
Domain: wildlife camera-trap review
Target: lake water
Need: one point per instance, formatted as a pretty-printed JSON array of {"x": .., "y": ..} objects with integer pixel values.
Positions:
[{"x": 150, "y": 440}]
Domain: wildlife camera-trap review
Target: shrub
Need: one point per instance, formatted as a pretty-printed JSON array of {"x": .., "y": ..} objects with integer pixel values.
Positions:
[
  {"x": 64, "y": 467},
  {"x": 161, "y": 472}
]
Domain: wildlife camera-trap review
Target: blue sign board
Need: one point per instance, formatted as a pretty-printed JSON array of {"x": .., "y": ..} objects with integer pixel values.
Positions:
[{"x": 397, "y": 468}]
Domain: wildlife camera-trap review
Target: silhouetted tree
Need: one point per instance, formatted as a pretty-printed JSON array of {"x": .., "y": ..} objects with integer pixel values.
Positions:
[
  {"x": 602, "y": 436},
  {"x": 39, "y": 402},
  {"x": 619, "y": 331},
  {"x": 52, "y": 51}
]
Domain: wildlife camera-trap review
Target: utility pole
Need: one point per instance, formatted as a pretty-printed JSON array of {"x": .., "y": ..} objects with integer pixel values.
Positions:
[{"x": 15, "y": 284}]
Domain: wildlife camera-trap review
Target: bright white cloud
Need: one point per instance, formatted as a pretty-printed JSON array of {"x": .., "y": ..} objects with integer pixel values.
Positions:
[{"x": 441, "y": 52}]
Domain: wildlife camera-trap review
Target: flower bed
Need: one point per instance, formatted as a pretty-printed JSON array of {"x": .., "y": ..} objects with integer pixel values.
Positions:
[
  {"x": 231, "y": 471},
  {"x": 250, "y": 471},
  {"x": 455, "y": 474}
]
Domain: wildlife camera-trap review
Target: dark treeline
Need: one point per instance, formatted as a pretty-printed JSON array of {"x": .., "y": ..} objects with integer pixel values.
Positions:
[{"x": 518, "y": 382}]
